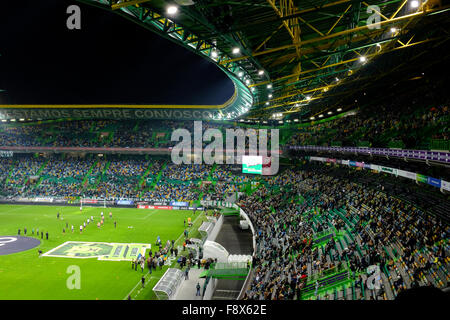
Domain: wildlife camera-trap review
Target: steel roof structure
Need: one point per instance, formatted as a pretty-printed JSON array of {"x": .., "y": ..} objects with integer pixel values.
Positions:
[{"x": 291, "y": 57}]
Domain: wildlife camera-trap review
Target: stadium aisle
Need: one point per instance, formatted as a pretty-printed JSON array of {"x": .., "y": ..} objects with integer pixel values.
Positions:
[{"x": 187, "y": 289}]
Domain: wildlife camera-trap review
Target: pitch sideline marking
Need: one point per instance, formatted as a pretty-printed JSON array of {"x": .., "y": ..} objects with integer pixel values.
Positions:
[{"x": 148, "y": 272}]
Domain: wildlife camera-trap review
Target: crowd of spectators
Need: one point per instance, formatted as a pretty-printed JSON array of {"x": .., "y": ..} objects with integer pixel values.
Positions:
[
  {"x": 186, "y": 172},
  {"x": 167, "y": 191},
  {"x": 380, "y": 223},
  {"x": 405, "y": 123}
]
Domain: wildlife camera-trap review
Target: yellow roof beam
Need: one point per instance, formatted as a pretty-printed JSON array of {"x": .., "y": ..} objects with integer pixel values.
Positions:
[{"x": 337, "y": 34}]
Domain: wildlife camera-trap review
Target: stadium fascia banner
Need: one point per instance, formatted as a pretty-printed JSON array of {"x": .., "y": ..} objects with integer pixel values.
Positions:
[
  {"x": 108, "y": 112},
  {"x": 397, "y": 172}
]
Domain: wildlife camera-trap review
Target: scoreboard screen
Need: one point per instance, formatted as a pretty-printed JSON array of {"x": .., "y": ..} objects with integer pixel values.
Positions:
[{"x": 252, "y": 164}]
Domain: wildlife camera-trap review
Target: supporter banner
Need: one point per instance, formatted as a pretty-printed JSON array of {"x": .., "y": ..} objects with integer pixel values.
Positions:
[
  {"x": 389, "y": 170},
  {"x": 6, "y": 154},
  {"x": 331, "y": 160},
  {"x": 407, "y": 174},
  {"x": 421, "y": 178},
  {"x": 434, "y": 182},
  {"x": 215, "y": 203},
  {"x": 317, "y": 159},
  {"x": 155, "y": 207},
  {"x": 90, "y": 200},
  {"x": 124, "y": 202},
  {"x": 397, "y": 172},
  {"x": 194, "y": 208},
  {"x": 445, "y": 185}
]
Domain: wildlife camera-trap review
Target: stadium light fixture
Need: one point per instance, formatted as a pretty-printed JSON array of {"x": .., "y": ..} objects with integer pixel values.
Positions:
[
  {"x": 295, "y": 120},
  {"x": 253, "y": 89},
  {"x": 320, "y": 115},
  {"x": 339, "y": 110},
  {"x": 214, "y": 54},
  {"x": 312, "y": 118},
  {"x": 337, "y": 79},
  {"x": 21, "y": 119},
  {"x": 270, "y": 96},
  {"x": 240, "y": 74},
  {"x": 415, "y": 4},
  {"x": 12, "y": 120},
  {"x": 394, "y": 30},
  {"x": 247, "y": 82},
  {"x": 308, "y": 98},
  {"x": 3, "y": 120},
  {"x": 267, "y": 103},
  {"x": 172, "y": 10},
  {"x": 362, "y": 59},
  {"x": 260, "y": 72},
  {"x": 269, "y": 86},
  {"x": 236, "y": 50},
  {"x": 329, "y": 112}
]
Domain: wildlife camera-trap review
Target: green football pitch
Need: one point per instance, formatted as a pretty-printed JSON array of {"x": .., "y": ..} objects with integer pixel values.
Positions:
[{"x": 25, "y": 275}]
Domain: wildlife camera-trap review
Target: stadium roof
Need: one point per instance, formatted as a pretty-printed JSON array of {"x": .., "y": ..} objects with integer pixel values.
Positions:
[{"x": 294, "y": 56}]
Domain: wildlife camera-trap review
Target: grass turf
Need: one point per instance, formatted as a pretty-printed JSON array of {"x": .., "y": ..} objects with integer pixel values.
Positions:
[{"x": 25, "y": 275}]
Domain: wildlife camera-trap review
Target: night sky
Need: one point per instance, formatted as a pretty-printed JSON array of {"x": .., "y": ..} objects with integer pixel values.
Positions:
[{"x": 111, "y": 60}]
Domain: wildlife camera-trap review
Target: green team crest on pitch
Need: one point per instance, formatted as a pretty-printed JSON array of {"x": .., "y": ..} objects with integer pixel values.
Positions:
[{"x": 99, "y": 250}]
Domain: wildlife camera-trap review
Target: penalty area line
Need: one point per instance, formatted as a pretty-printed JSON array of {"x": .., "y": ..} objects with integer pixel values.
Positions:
[{"x": 134, "y": 288}]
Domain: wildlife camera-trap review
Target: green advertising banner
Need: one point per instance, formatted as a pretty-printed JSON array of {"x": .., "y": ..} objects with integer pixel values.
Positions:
[{"x": 421, "y": 178}]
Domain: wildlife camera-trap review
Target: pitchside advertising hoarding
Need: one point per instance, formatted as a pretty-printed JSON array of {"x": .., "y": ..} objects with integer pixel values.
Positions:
[{"x": 168, "y": 206}]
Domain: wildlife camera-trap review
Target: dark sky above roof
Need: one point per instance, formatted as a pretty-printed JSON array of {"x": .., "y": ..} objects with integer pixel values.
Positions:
[{"x": 109, "y": 61}]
